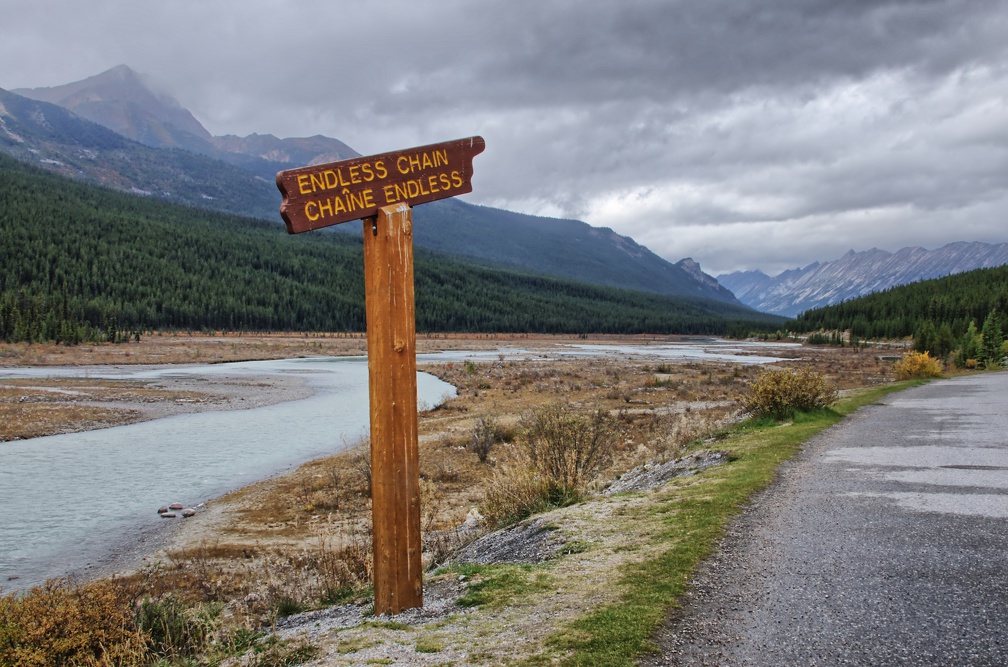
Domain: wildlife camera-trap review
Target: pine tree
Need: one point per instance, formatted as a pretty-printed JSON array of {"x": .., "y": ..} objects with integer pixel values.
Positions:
[
  {"x": 969, "y": 347},
  {"x": 991, "y": 340}
]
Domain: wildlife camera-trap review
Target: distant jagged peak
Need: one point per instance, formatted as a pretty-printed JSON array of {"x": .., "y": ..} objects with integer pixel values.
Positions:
[
  {"x": 858, "y": 273},
  {"x": 120, "y": 79},
  {"x": 129, "y": 103},
  {"x": 124, "y": 72},
  {"x": 692, "y": 268}
]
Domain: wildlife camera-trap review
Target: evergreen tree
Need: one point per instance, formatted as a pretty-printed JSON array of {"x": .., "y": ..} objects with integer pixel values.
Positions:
[
  {"x": 945, "y": 341},
  {"x": 969, "y": 346},
  {"x": 991, "y": 340},
  {"x": 925, "y": 337}
]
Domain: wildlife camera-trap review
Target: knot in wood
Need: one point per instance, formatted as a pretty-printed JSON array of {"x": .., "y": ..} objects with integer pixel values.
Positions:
[{"x": 399, "y": 345}]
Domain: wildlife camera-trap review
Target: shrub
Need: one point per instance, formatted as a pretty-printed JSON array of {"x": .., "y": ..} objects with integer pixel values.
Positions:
[
  {"x": 560, "y": 450},
  {"x": 566, "y": 446},
  {"x": 484, "y": 437},
  {"x": 342, "y": 562},
  {"x": 780, "y": 393},
  {"x": 917, "y": 365},
  {"x": 514, "y": 492},
  {"x": 61, "y": 623},
  {"x": 176, "y": 629}
]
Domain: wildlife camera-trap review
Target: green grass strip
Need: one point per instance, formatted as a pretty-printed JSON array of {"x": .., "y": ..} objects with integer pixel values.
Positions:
[{"x": 695, "y": 511}]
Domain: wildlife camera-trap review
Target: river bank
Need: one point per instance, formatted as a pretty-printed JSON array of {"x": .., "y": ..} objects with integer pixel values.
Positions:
[{"x": 268, "y": 546}]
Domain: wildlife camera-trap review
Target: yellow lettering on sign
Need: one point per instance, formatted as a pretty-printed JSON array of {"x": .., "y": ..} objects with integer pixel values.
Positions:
[
  {"x": 303, "y": 184},
  {"x": 342, "y": 177},
  {"x": 423, "y": 186},
  {"x": 401, "y": 191},
  {"x": 408, "y": 164},
  {"x": 347, "y": 201},
  {"x": 317, "y": 182}
]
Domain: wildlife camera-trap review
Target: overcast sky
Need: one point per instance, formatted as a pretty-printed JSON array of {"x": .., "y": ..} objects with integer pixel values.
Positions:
[{"x": 744, "y": 134}]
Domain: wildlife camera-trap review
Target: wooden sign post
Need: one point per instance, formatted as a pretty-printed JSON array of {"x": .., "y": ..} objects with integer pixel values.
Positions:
[{"x": 381, "y": 189}]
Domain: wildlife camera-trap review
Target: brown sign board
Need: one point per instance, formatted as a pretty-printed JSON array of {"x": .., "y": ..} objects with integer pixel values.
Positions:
[{"x": 328, "y": 194}]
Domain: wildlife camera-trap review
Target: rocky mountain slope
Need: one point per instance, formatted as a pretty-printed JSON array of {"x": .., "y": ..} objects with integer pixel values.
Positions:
[
  {"x": 49, "y": 136},
  {"x": 856, "y": 274},
  {"x": 124, "y": 102},
  {"x": 157, "y": 148}
]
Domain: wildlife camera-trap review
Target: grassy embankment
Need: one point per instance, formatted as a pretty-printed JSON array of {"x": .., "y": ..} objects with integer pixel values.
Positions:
[{"x": 694, "y": 512}]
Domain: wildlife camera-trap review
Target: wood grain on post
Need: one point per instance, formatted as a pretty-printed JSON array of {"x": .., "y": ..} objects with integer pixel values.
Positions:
[{"x": 391, "y": 342}]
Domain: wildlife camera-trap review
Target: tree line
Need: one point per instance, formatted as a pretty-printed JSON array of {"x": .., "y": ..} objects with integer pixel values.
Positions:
[
  {"x": 84, "y": 263},
  {"x": 959, "y": 318}
]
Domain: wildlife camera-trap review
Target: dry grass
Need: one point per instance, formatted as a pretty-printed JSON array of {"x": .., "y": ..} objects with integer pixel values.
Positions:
[
  {"x": 301, "y": 540},
  {"x": 45, "y": 406},
  {"x": 659, "y": 411},
  {"x": 218, "y": 347}
]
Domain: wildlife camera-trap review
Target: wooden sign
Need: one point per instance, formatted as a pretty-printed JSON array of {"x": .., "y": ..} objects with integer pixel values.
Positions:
[
  {"x": 328, "y": 194},
  {"x": 382, "y": 189}
]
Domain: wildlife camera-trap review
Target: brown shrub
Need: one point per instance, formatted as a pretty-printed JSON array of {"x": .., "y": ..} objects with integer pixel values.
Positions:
[
  {"x": 61, "y": 623},
  {"x": 560, "y": 451}
]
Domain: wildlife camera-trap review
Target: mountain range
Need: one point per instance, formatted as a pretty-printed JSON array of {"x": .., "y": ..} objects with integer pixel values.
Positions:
[
  {"x": 115, "y": 130},
  {"x": 857, "y": 274}
]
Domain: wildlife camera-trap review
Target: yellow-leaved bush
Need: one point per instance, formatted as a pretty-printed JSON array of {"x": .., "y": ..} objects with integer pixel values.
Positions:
[
  {"x": 917, "y": 365},
  {"x": 779, "y": 393},
  {"x": 64, "y": 624}
]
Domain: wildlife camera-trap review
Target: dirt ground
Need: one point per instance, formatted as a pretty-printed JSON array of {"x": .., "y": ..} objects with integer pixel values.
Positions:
[{"x": 293, "y": 541}]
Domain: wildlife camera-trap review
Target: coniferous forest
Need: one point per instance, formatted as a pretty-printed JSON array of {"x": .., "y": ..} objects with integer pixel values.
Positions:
[
  {"x": 82, "y": 263},
  {"x": 959, "y": 313}
]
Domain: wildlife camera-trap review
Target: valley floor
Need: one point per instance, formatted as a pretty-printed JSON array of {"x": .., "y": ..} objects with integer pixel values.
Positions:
[{"x": 284, "y": 544}]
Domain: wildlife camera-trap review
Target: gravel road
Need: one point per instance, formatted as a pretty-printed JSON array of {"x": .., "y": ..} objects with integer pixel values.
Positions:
[{"x": 884, "y": 543}]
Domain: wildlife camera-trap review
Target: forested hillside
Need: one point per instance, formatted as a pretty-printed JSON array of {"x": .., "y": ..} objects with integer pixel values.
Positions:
[
  {"x": 49, "y": 136},
  {"x": 943, "y": 315},
  {"x": 79, "y": 262}
]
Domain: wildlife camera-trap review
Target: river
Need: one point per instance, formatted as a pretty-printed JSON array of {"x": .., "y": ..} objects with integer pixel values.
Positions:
[{"x": 68, "y": 502}]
